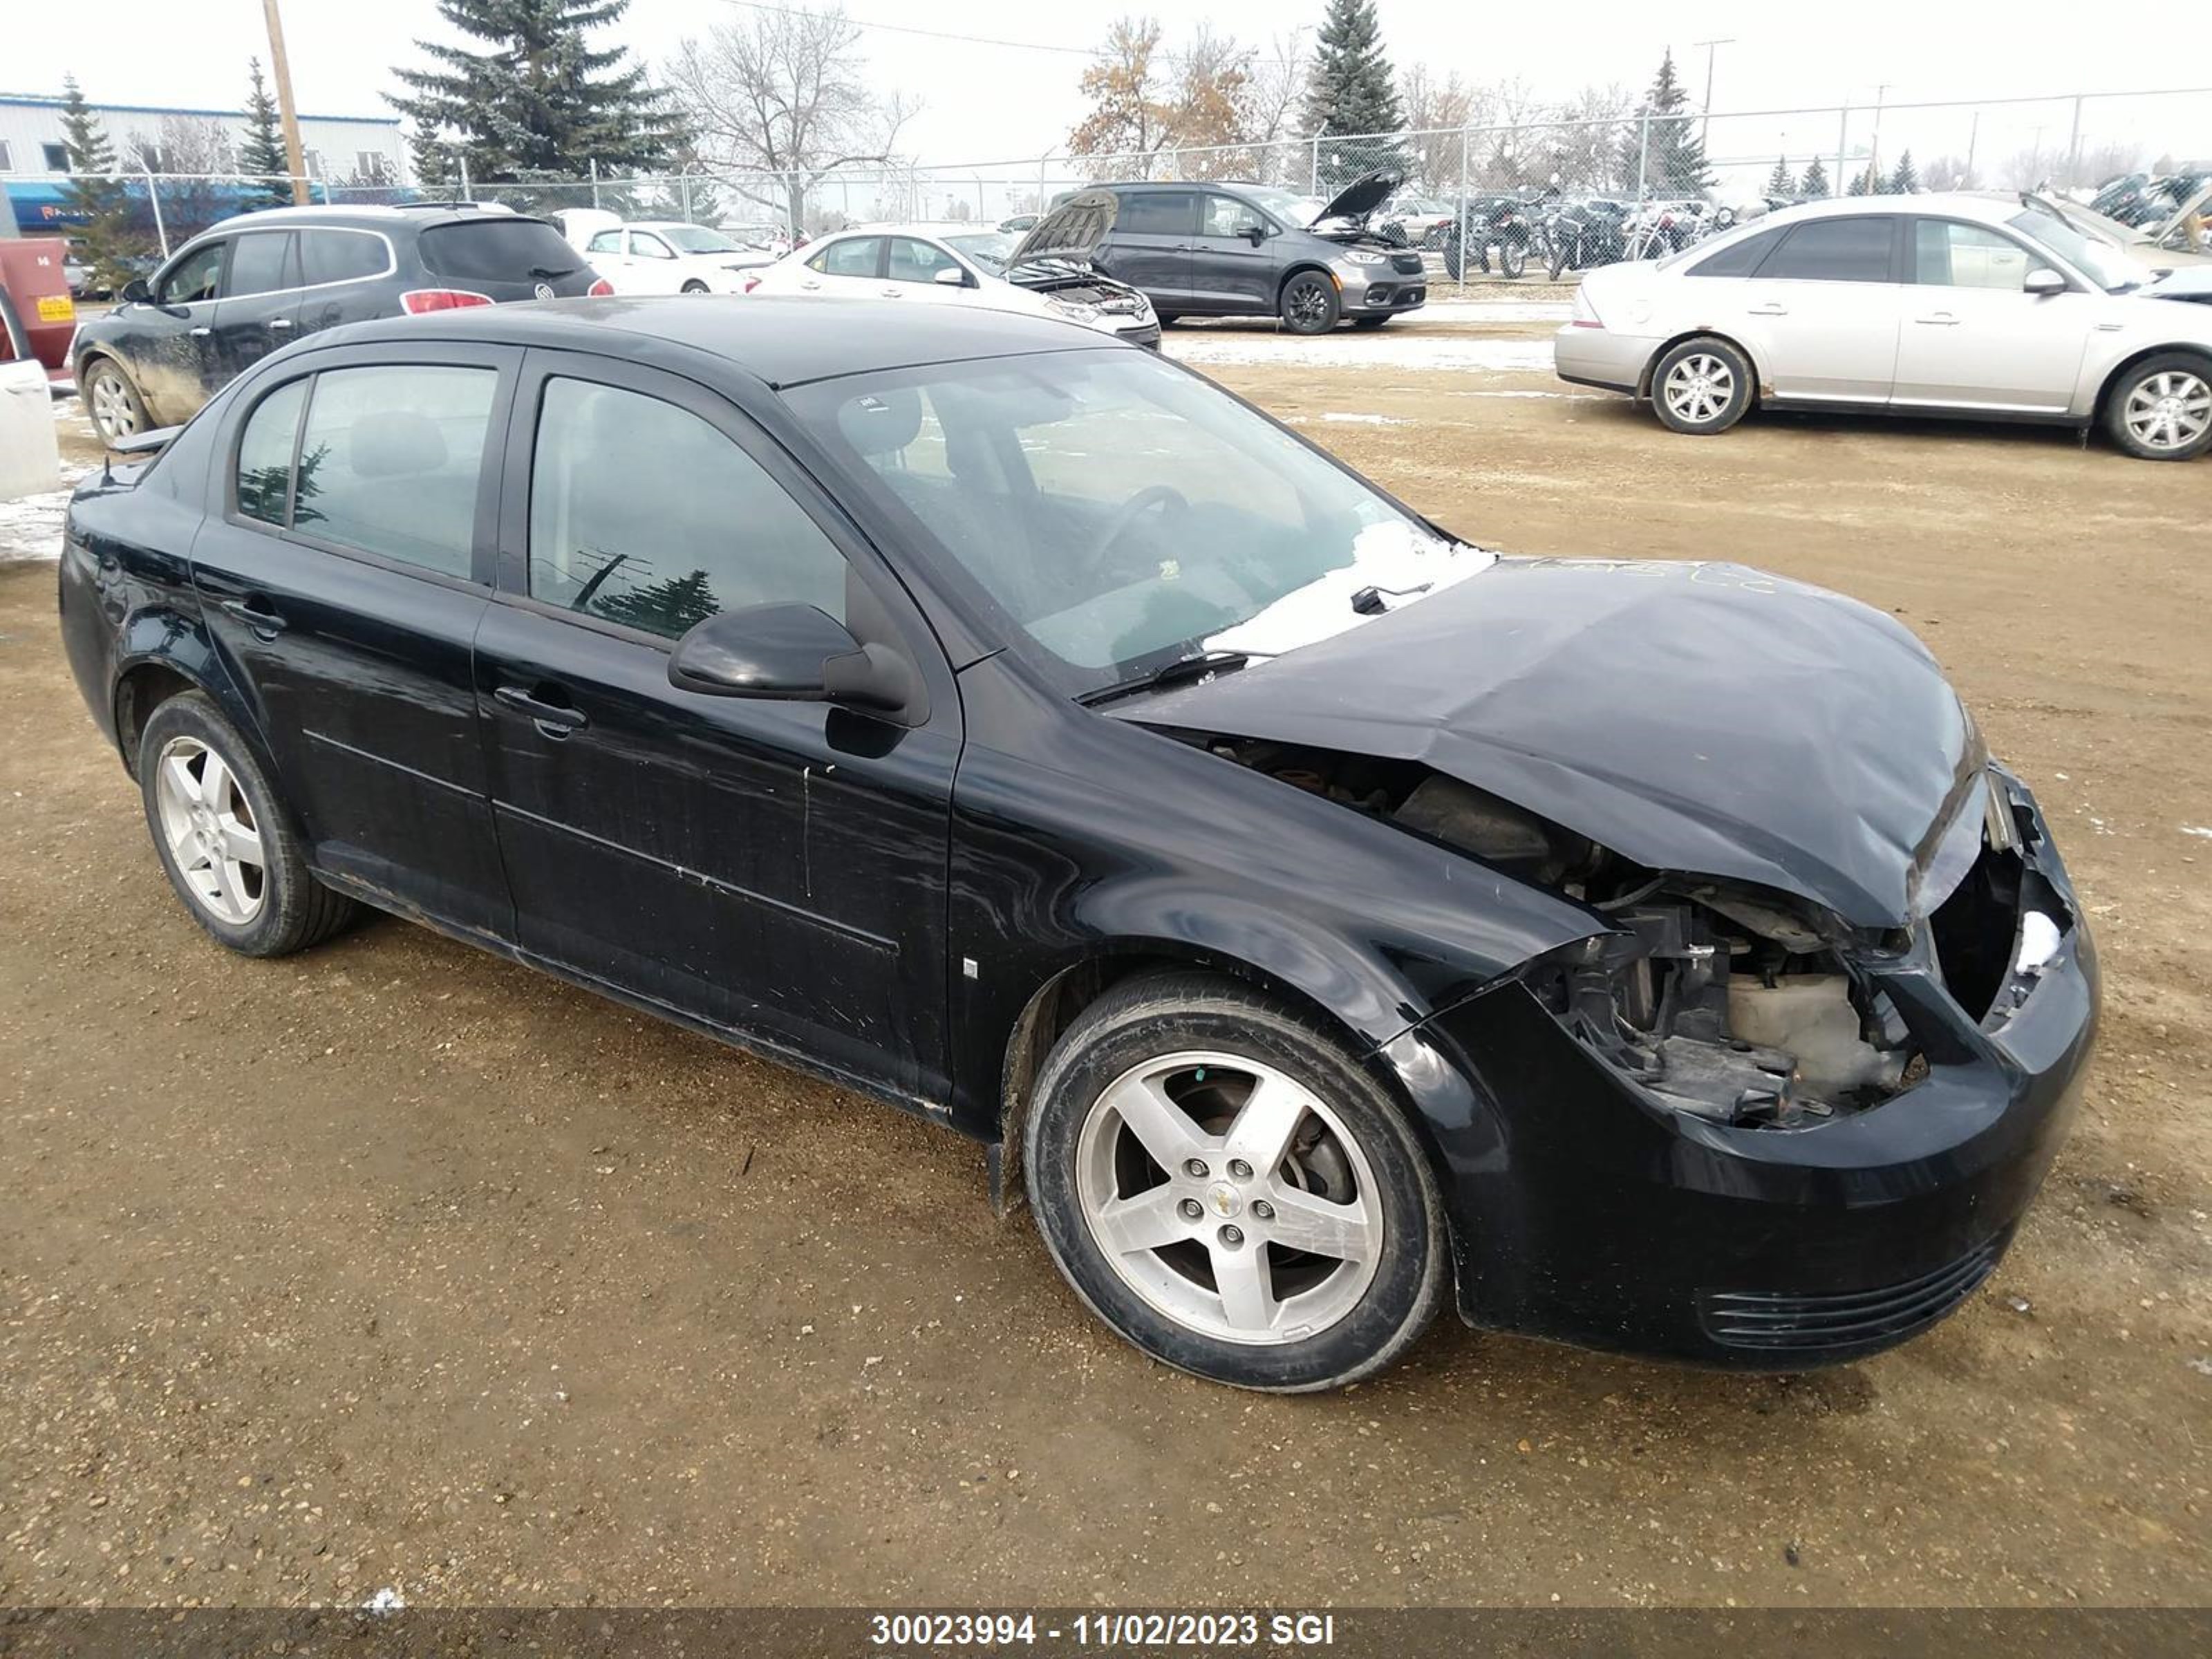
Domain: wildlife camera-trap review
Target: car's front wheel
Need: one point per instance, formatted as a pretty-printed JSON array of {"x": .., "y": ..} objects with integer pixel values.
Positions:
[
  {"x": 116, "y": 408},
  {"x": 695, "y": 287},
  {"x": 223, "y": 837},
  {"x": 1226, "y": 1187},
  {"x": 1309, "y": 303},
  {"x": 2161, "y": 409},
  {"x": 1702, "y": 387}
]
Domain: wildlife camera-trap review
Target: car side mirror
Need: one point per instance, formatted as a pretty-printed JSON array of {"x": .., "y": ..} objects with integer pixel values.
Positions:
[
  {"x": 950, "y": 276},
  {"x": 136, "y": 292},
  {"x": 2043, "y": 280},
  {"x": 790, "y": 653},
  {"x": 1255, "y": 234}
]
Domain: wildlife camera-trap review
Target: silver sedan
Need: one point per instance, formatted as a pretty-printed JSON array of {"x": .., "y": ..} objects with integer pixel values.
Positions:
[{"x": 1909, "y": 305}]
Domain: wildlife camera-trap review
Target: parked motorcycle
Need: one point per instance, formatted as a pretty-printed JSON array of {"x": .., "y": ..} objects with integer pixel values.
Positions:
[{"x": 1501, "y": 222}]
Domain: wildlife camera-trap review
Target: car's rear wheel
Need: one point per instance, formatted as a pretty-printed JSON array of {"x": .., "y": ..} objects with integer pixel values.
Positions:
[
  {"x": 1309, "y": 303},
  {"x": 117, "y": 410},
  {"x": 2161, "y": 409},
  {"x": 1702, "y": 387},
  {"x": 1225, "y": 1185},
  {"x": 225, "y": 839},
  {"x": 695, "y": 288}
]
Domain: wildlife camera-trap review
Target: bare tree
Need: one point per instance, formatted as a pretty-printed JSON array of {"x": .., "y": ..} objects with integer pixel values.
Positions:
[
  {"x": 1435, "y": 111},
  {"x": 1274, "y": 93},
  {"x": 1948, "y": 173},
  {"x": 781, "y": 93},
  {"x": 1208, "y": 115}
]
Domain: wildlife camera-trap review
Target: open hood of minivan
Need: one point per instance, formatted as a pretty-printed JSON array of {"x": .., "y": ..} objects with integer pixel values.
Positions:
[
  {"x": 1701, "y": 719},
  {"x": 1362, "y": 195},
  {"x": 1072, "y": 230}
]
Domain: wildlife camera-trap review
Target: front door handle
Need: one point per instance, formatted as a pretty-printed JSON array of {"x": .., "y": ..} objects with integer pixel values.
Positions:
[
  {"x": 256, "y": 614},
  {"x": 1938, "y": 320},
  {"x": 1770, "y": 311},
  {"x": 553, "y": 720},
  {"x": 281, "y": 322},
  {"x": 201, "y": 333}
]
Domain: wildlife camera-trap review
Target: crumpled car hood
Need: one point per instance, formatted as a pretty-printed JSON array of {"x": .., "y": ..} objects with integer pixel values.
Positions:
[{"x": 1703, "y": 719}]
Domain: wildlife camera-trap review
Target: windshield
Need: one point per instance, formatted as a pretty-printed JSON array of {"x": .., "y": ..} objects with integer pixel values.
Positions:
[
  {"x": 697, "y": 238},
  {"x": 1118, "y": 514},
  {"x": 990, "y": 249},
  {"x": 2110, "y": 269}
]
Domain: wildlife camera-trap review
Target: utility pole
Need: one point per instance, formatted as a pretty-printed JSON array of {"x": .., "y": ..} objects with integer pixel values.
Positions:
[
  {"x": 281, "y": 67},
  {"x": 1710, "y": 46},
  {"x": 1874, "y": 144}
]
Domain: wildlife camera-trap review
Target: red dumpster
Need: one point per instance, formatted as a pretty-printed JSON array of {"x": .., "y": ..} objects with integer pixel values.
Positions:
[{"x": 37, "y": 316}]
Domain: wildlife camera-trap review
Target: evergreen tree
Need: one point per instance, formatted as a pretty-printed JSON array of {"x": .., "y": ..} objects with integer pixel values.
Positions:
[
  {"x": 1782, "y": 181},
  {"x": 674, "y": 607},
  {"x": 98, "y": 200},
  {"x": 1867, "y": 183},
  {"x": 1905, "y": 180},
  {"x": 1815, "y": 184},
  {"x": 1354, "y": 92},
  {"x": 541, "y": 104},
  {"x": 1671, "y": 161},
  {"x": 263, "y": 153}
]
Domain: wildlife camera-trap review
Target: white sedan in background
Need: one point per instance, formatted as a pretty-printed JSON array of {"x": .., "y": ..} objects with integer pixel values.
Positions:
[
  {"x": 662, "y": 256},
  {"x": 1044, "y": 273},
  {"x": 1908, "y": 304}
]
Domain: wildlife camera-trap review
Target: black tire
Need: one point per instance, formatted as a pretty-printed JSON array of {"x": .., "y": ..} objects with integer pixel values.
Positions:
[
  {"x": 1729, "y": 391},
  {"x": 694, "y": 288},
  {"x": 1160, "y": 1015},
  {"x": 294, "y": 909},
  {"x": 1370, "y": 322},
  {"x": 2181, "y": 381},
  {"x": 1558, "y": 259},
  {"x": 1307, "y": 303},
  {"x": 1512, "y": 259},
  {"x": 104, "y": 378},
  {"x": 1455, "y": 256}
]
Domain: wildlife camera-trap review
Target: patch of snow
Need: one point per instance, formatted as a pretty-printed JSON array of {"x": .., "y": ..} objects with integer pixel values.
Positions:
[
  {"x": 1351, "y": 419},
  {"x": 385, "y": 1603},
  {"x": 2203, "y": 830},
  {"x": 31, "y": 525},
  {"x": 1435, "y": 352}
]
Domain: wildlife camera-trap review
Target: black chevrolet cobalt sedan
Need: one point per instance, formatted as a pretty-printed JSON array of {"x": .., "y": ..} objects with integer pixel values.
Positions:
[{"x": 1315, "y": 915}]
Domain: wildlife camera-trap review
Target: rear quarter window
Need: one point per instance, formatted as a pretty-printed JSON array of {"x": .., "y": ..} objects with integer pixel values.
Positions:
[
  {"x": 1737, "y": 259},
  {"x": 496, "y": 250},
  {"x": 342, "y": 256}
]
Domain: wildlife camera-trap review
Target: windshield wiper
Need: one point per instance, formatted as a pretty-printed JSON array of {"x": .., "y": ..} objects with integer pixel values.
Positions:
[{"x": 1184, "y": 670}]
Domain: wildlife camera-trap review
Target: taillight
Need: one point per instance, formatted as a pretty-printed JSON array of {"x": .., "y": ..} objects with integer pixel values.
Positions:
[
  {"x": 417, "y": 300},
  {"x": 600, "y": 288}
]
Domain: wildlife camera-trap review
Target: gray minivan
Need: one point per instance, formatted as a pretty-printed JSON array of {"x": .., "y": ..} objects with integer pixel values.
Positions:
[{"x": 1226, "y": 249}]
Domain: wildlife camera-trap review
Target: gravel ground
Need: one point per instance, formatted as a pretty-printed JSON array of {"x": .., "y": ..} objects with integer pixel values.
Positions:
[{"x": 392, "y": 1267}]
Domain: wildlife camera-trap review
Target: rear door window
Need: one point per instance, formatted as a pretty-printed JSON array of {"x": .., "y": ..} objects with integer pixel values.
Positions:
[
  {"x": 1158, "y": 213},
  {"x": 853, "y": 256},
  {"x": 342, "y": 256},
  {"x": 390, "y": 462},
  {"x": 1853, "y": 250},
  {"x": 497, "y": 250},
  {"x": 263, "y": 263}
]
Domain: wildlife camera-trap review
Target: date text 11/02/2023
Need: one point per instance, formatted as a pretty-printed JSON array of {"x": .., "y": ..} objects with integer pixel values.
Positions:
[{"x": 1122, "y": 1630}]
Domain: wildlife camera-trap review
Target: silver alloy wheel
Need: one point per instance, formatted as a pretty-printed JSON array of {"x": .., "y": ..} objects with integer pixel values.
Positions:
[
  {"x": 210, "y": 831},
  {"x": 1229, "y": 1198},
  {"x": 1699, "y": 388},
  {"x": 112, "y": 411},
  {"x": 2170, "y": 410}
]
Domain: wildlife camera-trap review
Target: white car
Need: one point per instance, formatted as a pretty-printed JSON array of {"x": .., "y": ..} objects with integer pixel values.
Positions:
[
  {"x": 1044, "y": 273},
  {"x": 663, "y": 256},
  {"x": 1908, "y": 304}
]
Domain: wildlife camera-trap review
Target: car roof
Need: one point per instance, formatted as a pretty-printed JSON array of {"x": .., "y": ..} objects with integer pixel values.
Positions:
[
  {"x": 936, "y": 228},
  {"x": 1953, "y": 204},
  {"x": 369, "y": 216},
  {"x": 782, "y": 340}
]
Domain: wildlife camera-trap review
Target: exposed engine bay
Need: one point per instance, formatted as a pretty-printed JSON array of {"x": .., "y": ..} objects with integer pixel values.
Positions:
[
  {"x": 1075, "y": 284},
  {"x": 1727, "y": 1001}
]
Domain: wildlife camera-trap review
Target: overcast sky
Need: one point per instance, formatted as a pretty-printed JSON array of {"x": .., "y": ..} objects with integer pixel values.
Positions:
[{"x": 984, "y": 102}]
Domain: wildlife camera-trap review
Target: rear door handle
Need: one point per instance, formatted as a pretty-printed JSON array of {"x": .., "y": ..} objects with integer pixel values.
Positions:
[
  {"x": 255, "y": 615},
  {"x": 1770, "y": 311},
  {"x": 281, "y": 322},
  {"x": 555, "y": 719},
  {"x": 1938, "y": 320},
  {"x": 201, "y": 333}
]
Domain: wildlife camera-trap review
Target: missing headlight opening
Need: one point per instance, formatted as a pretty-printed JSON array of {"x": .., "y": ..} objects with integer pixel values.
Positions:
[{"x": 1731, "y": 1002}]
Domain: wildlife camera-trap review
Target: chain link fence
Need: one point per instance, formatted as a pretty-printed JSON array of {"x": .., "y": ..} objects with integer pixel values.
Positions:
[{"x": 1542, "y": 197}]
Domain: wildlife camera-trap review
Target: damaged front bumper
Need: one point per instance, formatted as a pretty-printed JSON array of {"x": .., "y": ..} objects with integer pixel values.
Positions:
[{"x": 1592, "y": 1207}]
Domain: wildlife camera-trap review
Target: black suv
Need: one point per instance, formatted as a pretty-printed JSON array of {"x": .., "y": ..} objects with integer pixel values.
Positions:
[
  {"x": 237, "y": 291},
  {"x": 1242, "y": 250}
]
